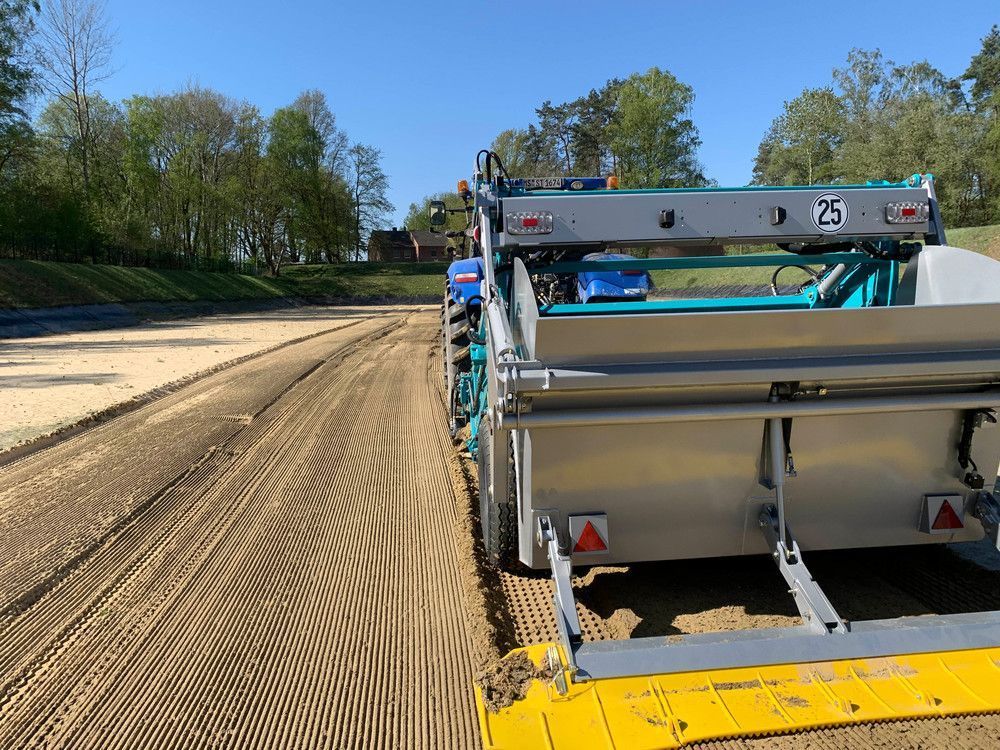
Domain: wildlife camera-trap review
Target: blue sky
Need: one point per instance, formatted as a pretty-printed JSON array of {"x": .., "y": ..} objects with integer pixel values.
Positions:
[{"x": 431, "y": 83}]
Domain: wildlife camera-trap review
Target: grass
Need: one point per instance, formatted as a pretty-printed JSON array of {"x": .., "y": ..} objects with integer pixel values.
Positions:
[
  {"x": 25, "y": 283},
  {"x": 984, "y": 240},
  {"x": 713, "y": 278},
  {"x": 366, "y": 280}
]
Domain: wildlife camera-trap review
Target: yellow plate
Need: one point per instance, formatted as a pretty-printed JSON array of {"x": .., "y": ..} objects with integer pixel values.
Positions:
[{"x": 669, "y": 711}]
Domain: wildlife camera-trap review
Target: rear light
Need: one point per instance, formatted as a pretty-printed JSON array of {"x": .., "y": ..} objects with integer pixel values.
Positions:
[
  {"x": 529, "y": 222},
  {"x": 466, "y": 278},
  {"x": 907, "y": 213},
  {"x": 633, "y": 273}
]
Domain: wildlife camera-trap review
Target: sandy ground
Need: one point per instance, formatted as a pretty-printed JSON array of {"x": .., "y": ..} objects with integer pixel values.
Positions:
[
  {"x": 283, "y": 554},
  {"x": 264, "y": 558},
  {"x": 51, "y": 382}
]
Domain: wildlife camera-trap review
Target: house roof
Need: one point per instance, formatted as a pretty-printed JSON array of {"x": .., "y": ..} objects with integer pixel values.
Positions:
[
  {"x": 389, "y": 238},
  {"x": 425, "y": 238}
]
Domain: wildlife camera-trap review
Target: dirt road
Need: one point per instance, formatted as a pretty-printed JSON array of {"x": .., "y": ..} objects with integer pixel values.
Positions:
[
  {"x": 263, "y": 559},
  {"x": 279, "y": 555}
]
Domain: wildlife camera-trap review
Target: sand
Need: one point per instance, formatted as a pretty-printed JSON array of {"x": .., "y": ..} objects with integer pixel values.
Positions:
[{"x": 50, "y": 382}]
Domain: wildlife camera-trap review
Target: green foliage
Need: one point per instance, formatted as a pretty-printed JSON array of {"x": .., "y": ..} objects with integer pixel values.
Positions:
[
  {"x": 419, "y": 216},
  {"x": 880, "y": 120},
  {"x": 800, "y": 146},
  {"x": 984, "y": 71},
  {"x": 16, "y": 24},
  {"x": 652, "y": 135},
  {"x": 200, "y": 175},
  {"x": 639, "y": 129}
]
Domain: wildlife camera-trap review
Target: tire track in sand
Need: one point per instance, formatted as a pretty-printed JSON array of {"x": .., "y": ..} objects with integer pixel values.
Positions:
[{"x": 299, "y": 588}]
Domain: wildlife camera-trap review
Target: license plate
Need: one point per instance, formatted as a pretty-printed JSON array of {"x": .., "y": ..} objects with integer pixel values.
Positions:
[{"x": 543, "y": 183}]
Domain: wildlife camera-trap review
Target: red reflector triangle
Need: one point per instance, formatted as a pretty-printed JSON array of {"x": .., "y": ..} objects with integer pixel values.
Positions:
[
  {"x": 947, "y": 518},
  {"x": 590, "y": 540}
]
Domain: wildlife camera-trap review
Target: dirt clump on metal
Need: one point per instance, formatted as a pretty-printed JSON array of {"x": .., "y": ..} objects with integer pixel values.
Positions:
[{"x": 507, "y": 681}]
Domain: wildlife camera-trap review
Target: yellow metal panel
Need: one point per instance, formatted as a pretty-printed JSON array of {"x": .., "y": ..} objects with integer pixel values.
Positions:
[{"x": 669, "y": 711}]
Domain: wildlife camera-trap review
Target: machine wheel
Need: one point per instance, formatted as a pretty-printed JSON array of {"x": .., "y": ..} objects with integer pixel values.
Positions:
[
  {"x": 456, "y": 327},
  {"x": 454, "y": 354},
  {"x": 497, "y": 506}
]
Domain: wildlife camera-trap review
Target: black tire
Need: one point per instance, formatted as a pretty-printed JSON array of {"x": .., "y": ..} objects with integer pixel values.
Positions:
[
  {"x": 454, "y": 355},
  {"x": 497, "y": 507},
  {"x": 459, "y": 328},
  {"x": 456, "y": 331}
]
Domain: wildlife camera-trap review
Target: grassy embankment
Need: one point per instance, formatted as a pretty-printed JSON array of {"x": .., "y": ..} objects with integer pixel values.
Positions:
[{"x": 41, "y": 284}]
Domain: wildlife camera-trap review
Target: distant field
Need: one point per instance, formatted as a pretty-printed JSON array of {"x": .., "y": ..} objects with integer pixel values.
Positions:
[{"x": 26, "y": 283}]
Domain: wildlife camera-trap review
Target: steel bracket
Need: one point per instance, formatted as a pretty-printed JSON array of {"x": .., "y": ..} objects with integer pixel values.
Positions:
[
  {"x": 987, "y": 510},
  {"x": 567, "y": 620},
  {"x": 816, "y": 610}
]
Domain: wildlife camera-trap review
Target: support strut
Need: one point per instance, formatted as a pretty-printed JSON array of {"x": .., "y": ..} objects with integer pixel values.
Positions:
[
  {"x": 567, "y": 620},
  {"x": 815, "y": 608}
]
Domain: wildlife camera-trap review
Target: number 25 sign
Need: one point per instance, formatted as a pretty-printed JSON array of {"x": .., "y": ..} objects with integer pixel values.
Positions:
[{"x": 829, "y": 213}]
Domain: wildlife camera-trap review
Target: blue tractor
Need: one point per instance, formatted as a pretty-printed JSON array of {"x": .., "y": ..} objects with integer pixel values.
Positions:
[
  {"x": 463, "y": 299},
  {"x": 612, "y": 286}
]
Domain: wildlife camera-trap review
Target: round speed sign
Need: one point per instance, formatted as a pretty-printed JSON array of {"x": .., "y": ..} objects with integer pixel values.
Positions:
[{"x": 829, "y": 213}]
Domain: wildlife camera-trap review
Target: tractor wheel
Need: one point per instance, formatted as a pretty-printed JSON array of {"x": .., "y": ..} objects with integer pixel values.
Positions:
[
  {"x": 454, "y": 355},
  {"x": 497, "y": 506},
  {"x": 456, "y": 328}
]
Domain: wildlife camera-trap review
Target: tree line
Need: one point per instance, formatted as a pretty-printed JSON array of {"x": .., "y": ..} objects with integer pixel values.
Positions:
[
  {"x": 874, "y": 120},
  {"x": 193, "y": 174},
  {"x": 639, "y": 128},
  {"x": 879, "y": 120}
]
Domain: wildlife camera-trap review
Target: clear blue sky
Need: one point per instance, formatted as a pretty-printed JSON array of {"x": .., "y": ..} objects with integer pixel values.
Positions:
[{"x": 431, "y": 83}]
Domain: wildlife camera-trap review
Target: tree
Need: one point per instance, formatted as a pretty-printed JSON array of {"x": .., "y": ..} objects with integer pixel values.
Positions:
[
  {"x": 368, "y": 186},
  {"x": 984, "y": 70},
  {"x": 881, "y": 120},
  {"x": 595, "y": 112},
  {"x": 16, "y": 26},
  {"x": 800, "y": 147},
  {"x": 644, "y": 118},
  {"x": 527, "y": 153},
  {"x": 324, "y": 200},
  {"x": 511, "y": 146},
  {"x": 74, "y": 53},
  {"x": 983, "y": 74},
  {"x": 652, "y": 134},
  {"x": 418, "y": 216}
]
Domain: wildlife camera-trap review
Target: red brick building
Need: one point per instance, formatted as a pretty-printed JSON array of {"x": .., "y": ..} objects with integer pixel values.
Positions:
[{"x": 400, "y": 245}]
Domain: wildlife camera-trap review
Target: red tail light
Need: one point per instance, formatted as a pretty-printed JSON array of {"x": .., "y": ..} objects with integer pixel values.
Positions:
[
  {"x": 633, "y": 273},
  {"x": 465, "y": 278}
]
